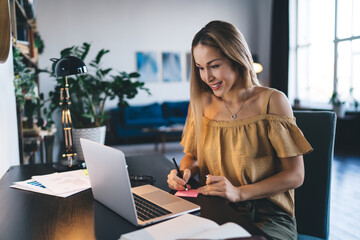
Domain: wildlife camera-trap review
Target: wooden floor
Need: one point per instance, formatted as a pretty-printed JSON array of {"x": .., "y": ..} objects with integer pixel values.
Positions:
[
  {"x": 345, "y": 189},
  {"x": 345, "y": 198}
]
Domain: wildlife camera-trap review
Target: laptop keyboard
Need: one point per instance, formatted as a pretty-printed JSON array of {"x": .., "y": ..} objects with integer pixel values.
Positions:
[{"x": 147, "y": 210}]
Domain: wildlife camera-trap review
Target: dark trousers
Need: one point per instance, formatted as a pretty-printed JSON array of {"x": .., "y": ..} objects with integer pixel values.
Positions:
[{"x": 270, "y": 218}]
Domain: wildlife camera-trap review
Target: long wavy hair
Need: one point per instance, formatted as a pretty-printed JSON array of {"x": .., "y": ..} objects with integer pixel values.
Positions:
[{"x": 230, "y": 43}]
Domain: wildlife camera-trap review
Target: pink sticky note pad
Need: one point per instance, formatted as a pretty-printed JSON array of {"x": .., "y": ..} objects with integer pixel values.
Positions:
[{"x": 189, "y": 193}]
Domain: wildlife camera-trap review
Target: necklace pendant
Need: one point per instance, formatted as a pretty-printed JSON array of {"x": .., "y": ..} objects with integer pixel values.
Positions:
[{"x": 234, "y": 116}]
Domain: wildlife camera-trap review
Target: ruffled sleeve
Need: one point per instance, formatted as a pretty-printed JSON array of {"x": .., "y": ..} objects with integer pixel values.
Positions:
[
  {"x": 286, "y": 137},
  {"x": 188, "y": 138}
]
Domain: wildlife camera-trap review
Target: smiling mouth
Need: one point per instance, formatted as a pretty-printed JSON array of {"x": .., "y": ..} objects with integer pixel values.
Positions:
[{"x": 215, "y": 86}]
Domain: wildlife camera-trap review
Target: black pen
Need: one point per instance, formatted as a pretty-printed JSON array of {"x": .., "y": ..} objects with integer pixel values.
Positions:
[{"x": 179, "y": 173}]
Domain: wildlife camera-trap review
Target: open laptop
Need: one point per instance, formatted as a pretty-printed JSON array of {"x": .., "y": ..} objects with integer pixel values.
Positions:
[{"x": 110, "y": 185}]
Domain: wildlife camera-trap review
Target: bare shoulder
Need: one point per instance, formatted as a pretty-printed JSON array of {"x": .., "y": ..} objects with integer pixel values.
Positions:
[
  {"x": 279, "y": 104},
  {"x": 258, "y": 95},
  {"x": 255, "y": 101}
]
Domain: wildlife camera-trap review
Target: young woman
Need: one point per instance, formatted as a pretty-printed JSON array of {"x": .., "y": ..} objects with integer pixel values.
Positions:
[{"x": 240, "y": 137}]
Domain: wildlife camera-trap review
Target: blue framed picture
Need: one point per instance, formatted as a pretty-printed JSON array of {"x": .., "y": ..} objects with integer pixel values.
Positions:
[
  {"x": 147, "y": 66},
  {"x": 171, "y": 63}
]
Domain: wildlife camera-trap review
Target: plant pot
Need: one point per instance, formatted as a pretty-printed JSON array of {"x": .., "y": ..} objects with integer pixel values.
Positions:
[
  {"x": 339, "y": 110},
  {"x": 96, "y": 134}
]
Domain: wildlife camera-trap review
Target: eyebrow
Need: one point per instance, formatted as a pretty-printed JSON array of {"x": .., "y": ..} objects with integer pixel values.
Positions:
[{"x": 209, "y": 62}]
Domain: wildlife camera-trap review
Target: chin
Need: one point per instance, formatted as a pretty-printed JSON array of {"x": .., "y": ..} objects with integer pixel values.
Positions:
[{"x": 218, "y": 94}]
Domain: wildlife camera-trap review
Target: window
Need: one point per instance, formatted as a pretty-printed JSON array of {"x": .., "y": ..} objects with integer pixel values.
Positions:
[{"x": 324, "y": 51}]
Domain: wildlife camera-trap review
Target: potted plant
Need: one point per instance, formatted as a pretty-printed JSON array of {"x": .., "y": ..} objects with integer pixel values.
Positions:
[
  {"x": 29, "y": 102},
  {"x": 353, "y": 103},
  {"x": 26, "y": 93},
  {"x": 338, "y": 105},
  {"x": 90, "y": 91}
]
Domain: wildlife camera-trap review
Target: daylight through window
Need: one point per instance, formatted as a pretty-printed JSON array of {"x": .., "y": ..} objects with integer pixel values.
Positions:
[{"x": 324, "y": 51}]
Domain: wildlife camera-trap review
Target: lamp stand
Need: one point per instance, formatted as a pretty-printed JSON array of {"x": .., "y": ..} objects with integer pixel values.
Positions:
[{"x": 68, "y": 161}]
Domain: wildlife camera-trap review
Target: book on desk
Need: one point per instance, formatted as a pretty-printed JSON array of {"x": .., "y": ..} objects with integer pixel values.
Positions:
[{"x": 188, "y": 226}]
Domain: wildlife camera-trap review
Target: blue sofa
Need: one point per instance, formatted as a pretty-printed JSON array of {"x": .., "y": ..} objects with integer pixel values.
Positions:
[{"x": 129, "y": 127}]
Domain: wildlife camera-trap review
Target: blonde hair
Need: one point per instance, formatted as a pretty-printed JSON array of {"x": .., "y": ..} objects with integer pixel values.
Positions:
[{"x": 230, "y": 43}]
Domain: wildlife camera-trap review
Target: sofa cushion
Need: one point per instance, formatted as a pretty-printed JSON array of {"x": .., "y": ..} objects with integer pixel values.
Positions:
[
  {"x": 144, "y": 115},
  {"x": 131, "y": 124},
  {"x": 143, "y": 111},
  {"x": 146, "y": 122},
  {"x": 175, "y": 112}
]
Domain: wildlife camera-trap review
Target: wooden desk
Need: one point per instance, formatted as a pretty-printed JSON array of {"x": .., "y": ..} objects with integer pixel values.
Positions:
[{"x": 28, "y": 215}]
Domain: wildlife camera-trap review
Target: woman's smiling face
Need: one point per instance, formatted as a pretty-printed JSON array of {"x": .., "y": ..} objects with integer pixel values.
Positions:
[{"x": 215, "y": 69}]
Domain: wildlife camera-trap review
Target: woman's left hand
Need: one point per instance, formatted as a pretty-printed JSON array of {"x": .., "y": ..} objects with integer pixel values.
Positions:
[{"x": 220, "y": 186}]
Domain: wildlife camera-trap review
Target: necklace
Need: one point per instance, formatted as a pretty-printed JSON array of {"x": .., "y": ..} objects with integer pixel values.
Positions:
[{"x": 234, "y": 115}]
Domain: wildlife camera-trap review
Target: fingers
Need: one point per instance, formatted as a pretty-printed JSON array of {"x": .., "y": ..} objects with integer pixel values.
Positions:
[
  {"x": 178, "y": 186},
  {"x": 186, "y": 175},
  {"x": 211, "y": 190},
  {"x": 177, "y": 183},
  {"x": 172, "y": 179},
  {"x": 210, "y": 179},
  {"x": 215, "y": 185},
  {"x": 220, "y": 186}
]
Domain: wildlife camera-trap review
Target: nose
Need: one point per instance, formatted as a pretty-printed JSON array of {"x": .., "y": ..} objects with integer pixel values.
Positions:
[{"x": 208, "y": 76}]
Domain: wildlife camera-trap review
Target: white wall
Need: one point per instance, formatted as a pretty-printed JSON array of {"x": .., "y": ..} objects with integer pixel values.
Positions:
[
  {"x": 124, "y": 27},
  {"x": 9, "y": 147},
  {"x": 262, "y": 36},
  {"x": 127, "y": 26}
]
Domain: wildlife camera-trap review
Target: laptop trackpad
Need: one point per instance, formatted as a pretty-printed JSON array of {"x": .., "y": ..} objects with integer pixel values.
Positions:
[{"x": 160, "y": 197}]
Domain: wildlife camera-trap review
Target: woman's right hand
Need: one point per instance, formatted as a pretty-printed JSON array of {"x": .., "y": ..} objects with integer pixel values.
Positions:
[{"x": 175, "y": 182}]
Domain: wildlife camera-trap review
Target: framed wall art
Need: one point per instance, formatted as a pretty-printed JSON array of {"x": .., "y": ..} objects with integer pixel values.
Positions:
[
  {"x": 147, "y": 66},
  {"x": 171, "y": 65}
]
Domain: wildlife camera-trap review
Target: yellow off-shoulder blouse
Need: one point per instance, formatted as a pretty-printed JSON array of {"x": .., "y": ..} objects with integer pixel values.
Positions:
[{"x": 248, "y": 150}]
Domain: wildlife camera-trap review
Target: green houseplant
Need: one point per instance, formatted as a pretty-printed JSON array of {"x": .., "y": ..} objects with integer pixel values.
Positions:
[
  {"x": 89, "y": 92},
  {"x": 26, "y": 94},
  {"x": 354, "y": 104},
  {"x": 338, "y": 105},
  {"x": 29, "y": 102},
  {"x": 28, "y": 98}
]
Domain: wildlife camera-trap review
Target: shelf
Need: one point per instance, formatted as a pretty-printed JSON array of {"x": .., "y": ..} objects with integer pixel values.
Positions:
[
  {"x": 23, "y": 29},
  {"x": 33, "y": 62},
  {"x": 21, "y": 10}
]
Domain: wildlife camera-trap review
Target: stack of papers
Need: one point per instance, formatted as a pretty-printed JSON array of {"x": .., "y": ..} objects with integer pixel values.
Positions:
[{"x": 62, "y": 184}]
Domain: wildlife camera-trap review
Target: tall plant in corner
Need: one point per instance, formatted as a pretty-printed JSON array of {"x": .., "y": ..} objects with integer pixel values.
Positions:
[
  {"x": 89, "y": 92},
  {"x": 26, "y": 92}
]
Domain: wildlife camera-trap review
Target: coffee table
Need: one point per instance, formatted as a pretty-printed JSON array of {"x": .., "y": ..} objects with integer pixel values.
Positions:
[{"x": 162, "y": 133}]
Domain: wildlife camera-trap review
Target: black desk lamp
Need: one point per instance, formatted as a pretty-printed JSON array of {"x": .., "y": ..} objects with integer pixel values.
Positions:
[{"x": 67, "y": 66}]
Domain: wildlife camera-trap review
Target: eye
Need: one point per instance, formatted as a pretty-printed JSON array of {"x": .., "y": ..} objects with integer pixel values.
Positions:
[
  {"x": 200, "y": 68},
  {"x": 215, "y": 66}
]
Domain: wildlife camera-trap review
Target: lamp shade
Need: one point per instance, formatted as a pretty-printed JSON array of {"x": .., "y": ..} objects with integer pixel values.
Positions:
[
  {"x": 69, "y": 65},
  {"x": 257, "y": 65}
]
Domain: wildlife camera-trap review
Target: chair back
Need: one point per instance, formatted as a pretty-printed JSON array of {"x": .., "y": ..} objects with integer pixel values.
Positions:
[{"x": 312, "y": 199}]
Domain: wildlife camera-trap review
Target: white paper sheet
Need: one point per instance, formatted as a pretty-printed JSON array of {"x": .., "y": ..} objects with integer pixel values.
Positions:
[{"x": 62, "y": 184}]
